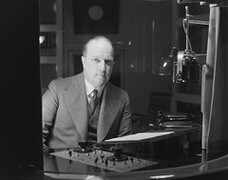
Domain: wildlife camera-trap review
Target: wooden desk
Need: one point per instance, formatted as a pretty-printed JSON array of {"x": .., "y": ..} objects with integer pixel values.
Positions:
[
  {"x": 190, "y": 166},
  {"x": 157, "y": 152}
]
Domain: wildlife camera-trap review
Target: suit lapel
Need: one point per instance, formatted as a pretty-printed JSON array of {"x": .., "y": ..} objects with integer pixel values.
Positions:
[
  {"x": 108, "y": 112},
  {"x": 77, "y": 105}
]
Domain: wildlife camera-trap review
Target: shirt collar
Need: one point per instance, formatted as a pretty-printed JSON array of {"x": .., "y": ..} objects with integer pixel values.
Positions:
[{"x": 90, "y": 88}]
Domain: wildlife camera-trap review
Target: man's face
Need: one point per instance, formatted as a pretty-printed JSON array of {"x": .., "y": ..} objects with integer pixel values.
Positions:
[{"x": 98, "y": 62}]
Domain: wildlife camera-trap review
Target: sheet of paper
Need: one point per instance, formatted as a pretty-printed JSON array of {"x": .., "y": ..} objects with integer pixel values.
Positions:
[{"x": 139, "y": 136}]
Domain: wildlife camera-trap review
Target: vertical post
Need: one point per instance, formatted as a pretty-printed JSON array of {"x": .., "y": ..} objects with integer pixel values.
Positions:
[{"x": 20, "y": 130}]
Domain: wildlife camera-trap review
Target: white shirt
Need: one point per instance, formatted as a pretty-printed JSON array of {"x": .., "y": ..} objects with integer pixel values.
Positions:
[{"x": 90, "y": 88}]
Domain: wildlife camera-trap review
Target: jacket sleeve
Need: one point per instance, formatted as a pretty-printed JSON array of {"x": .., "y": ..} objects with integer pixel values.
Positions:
[
  {"x": 126, "y": 122},
  {"x": 49, "y": 108}
]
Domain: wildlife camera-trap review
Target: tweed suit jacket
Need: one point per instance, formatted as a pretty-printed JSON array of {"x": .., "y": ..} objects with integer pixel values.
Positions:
[{"x": 65, "y": 113}]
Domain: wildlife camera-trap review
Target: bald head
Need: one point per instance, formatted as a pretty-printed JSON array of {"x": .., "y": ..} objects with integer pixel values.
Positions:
[{"x": 100, "y": 42}]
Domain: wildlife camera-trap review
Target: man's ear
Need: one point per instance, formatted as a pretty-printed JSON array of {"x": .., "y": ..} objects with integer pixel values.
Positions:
[{"x": 83, "y": 61}]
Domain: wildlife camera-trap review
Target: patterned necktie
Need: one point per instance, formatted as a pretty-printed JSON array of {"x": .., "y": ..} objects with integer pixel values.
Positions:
[{"x": 93, "y": 100}]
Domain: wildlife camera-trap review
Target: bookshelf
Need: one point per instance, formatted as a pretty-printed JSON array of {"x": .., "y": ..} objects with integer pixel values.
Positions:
[{"x": 51, "y": 49}]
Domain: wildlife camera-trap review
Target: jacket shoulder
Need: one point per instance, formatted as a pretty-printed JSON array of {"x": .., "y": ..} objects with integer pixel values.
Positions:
[
  {"x": 66, "y": 83},
  {"x": 119, "y": 92}
]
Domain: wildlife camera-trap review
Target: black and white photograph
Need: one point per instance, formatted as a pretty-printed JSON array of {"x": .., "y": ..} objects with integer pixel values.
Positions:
[{"x": 114, "y": 89}]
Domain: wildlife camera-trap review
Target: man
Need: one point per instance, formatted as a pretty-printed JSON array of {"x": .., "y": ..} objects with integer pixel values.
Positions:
[{"x": 68, "y": 117}]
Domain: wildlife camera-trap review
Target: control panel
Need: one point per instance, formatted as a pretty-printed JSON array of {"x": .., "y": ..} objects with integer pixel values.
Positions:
[{"x": 104, "y": 159}]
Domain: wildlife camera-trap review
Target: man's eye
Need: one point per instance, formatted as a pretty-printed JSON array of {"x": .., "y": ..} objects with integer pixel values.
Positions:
[
  {"x": 96, "y": 60},
  {"x": 109, "y": 62}
]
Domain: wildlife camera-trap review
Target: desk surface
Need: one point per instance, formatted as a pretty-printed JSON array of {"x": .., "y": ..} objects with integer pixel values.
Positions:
[
  {"x": 149, "y": 154},
  {"x": 174, "y": 163},
  {"x": 201, "y": 169}
]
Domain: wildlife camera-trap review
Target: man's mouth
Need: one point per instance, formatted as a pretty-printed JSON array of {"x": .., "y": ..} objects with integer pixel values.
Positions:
[{"x": 102, "y": 75}]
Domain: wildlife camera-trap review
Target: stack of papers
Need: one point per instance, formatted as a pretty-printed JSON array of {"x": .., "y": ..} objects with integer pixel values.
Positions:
[{"x": 139, "y": 136}]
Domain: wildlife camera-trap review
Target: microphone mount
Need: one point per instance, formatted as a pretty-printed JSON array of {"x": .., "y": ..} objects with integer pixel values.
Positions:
[{"x": 186, "y": 68}]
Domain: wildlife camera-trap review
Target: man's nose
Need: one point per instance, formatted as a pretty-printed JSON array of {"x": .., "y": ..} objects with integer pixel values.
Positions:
[{"x": 102, "y": 65}]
